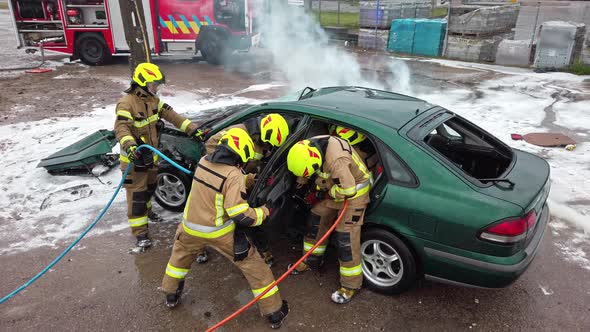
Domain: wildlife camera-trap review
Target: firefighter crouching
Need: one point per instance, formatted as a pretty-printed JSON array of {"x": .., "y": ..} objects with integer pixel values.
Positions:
[
  {"x": 216, "y": 205},
  {"x": 266, "y": 131},
  {"x": 138, "y": 122},
  {"x": 339, "y": 174}
]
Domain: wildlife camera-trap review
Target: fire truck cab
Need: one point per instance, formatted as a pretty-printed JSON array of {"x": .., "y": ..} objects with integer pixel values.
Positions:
[{"x": 92, "y": 30}]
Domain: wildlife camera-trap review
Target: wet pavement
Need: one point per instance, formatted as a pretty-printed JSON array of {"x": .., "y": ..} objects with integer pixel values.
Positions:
[{"x": 100, "y": 286}]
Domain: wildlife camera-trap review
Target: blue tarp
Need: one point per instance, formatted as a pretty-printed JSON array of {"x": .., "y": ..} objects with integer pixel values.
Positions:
[{"x": 417, "y": 36}]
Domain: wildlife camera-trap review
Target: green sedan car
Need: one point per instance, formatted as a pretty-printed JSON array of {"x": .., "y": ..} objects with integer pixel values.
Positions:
[{"x": 449, "y": 202}]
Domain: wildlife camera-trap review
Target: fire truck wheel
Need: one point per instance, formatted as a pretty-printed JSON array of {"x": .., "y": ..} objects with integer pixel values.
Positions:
[
  {"x": 92, "y": 49},
  {"x": 213, "y": 49}
]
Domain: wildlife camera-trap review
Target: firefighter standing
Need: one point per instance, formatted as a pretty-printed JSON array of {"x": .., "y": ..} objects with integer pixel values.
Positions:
[
  {"x": 138, "y": 122},
  {"x": 266, "y": 132},
  {"x": 216, "y": 205},
  {"x": 340, "y": 174}
]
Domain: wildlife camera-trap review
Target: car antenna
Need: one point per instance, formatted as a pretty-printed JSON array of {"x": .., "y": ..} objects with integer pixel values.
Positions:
[{"x": 417, "y": 111}]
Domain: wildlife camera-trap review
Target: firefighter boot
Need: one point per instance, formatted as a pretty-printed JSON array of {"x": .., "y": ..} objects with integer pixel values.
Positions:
[
  {"x": 276, "y": 318},
  {"x": 154, "y": 216},
  {"x": 143, "y": 241},
  {"x": 312, "y": 263},
  {"x": 202, "y": 257},
  {"x": 173, "y": 299},
  {"x": 344, "y": 295},
  {"x": 268, "y": 258}
]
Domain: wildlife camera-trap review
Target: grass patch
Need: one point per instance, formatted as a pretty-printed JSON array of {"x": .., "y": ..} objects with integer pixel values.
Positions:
[
  {"x": 439, "y": 12},
  {"x": 3, "y": 5},
  {"x": 579, "y": 68},
  {"x": 348, "y": 20}
]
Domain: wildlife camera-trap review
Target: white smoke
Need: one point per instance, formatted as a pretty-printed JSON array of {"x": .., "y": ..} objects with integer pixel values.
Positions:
[{"x": 301, "y": 51}]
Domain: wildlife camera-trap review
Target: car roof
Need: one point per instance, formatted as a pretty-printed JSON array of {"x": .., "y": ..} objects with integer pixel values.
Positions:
[{"x": 391, "y": 109}]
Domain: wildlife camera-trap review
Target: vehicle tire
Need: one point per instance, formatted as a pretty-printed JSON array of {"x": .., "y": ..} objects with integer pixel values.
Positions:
[
  {"x": 389, "y": 266},
  {"x": 92, "y": 49},
  {"x": 214, "y": 49},
  {"x": 173, "y": 187}
]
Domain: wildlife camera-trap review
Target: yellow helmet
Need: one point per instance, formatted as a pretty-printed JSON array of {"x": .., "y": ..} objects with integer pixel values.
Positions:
[
  {"x": 238, "y": 140},
  {"x": 146, "y": 73},
  {"x": 304, "y": 159},
  {"x": 351, "y": 136},
  {"x": 274, "y": 129}
]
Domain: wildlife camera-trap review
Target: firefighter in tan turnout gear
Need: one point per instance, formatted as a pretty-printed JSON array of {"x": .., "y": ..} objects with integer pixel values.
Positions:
[
  {"x": 339, "y": 174},
  {"x": 215, "y": 206},
  {"x": 138, "y": 122},
  {"x": 266, "y": 131}
]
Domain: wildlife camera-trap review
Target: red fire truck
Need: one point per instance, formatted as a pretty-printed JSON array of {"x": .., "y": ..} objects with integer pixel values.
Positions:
[{"x": 92, "y": 30}]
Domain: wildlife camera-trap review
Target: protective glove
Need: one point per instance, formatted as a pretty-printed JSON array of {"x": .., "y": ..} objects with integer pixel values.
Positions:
[
  {"x": 199, "y": 134},
  {"x": 266, "y": 210},
  {"x": 132, "y": 154}
]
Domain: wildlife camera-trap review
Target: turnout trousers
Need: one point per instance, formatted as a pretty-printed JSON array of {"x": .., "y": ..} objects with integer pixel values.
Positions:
[
  {"x": 139, "y": 188},
  {"x": 348, "y": 238},
  {"x": 187, "y": 247}
]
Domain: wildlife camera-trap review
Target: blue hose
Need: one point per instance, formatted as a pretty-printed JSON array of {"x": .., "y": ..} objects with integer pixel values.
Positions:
[{"x": 104, "y": 210}]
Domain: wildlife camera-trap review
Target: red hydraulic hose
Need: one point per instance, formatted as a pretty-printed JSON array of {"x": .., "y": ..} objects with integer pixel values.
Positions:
[{"x": 281, "y": 278}]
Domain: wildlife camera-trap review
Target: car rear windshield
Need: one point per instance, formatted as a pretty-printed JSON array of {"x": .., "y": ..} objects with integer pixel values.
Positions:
[{"x": 469, "y": 148}]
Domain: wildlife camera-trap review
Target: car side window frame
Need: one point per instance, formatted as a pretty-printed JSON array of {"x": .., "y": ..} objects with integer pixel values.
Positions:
[{"x": 384, "y": 150}]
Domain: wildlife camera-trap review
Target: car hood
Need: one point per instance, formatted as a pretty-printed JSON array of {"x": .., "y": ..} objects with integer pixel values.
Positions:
[
  {"x": 530, "y": 175},
  {"x": 211, "y": 116}
]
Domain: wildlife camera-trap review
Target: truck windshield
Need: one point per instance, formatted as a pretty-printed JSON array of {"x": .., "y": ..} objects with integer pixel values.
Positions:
[{"x": 231, "y": 13}]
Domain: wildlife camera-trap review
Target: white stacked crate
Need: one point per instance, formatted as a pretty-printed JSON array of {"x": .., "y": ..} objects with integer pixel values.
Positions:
[{"x": 559, "y": 44}]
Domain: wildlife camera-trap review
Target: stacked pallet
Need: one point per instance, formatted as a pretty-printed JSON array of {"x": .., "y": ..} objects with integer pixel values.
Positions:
[
  {"x": 475, "y": 32},
  {"x": 375, "y": 19}
]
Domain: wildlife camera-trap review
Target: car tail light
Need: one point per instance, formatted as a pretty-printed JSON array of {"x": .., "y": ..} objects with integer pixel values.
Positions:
[{"x": 510, "y": 231}]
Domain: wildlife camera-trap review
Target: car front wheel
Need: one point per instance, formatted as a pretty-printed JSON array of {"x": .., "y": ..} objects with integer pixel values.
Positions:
[
  {"x": 389, "y": 267},
  {"x": 173, "y": 188}
]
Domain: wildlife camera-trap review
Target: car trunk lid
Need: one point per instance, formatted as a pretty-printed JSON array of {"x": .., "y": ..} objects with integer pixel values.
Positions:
[{"x": 529, "y": 185}]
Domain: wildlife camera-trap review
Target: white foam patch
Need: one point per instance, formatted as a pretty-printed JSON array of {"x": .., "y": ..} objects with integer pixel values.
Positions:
[
  {"x": 574, "y": 254},
  {"x": 22, "y": 224},
  {"x": 509, "y": 70},
  {"x": 573, "y": 115}
]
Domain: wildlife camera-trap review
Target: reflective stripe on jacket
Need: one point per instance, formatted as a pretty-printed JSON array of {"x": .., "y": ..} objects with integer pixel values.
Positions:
[
  {"x": 217, "y": 202},
  {"x": 137, "y": 115}
]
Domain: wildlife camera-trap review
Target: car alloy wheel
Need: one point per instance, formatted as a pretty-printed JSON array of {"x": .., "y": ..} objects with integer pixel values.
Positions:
[
  {"x": 170, "y": 190},
  {"x": 381, "y": 263}
]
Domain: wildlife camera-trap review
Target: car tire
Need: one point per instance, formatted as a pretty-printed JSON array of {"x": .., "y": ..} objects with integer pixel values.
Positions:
[
  {"x": 173, "y": 188},
  {"x": 389, "y": 266},
  {"x": 92, "y": 49}
]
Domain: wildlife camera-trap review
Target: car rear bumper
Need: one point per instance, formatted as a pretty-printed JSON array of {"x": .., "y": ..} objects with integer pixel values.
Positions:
[{"x": 486, "y": 272}]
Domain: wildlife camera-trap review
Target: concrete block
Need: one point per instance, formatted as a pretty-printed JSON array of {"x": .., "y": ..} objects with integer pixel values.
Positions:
[
  {"x": 514, "y": 53},
  {"x": 472, "y": 49},
  {"x": 373, "y": 39},
  {"x": 476, "y": 20}
]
